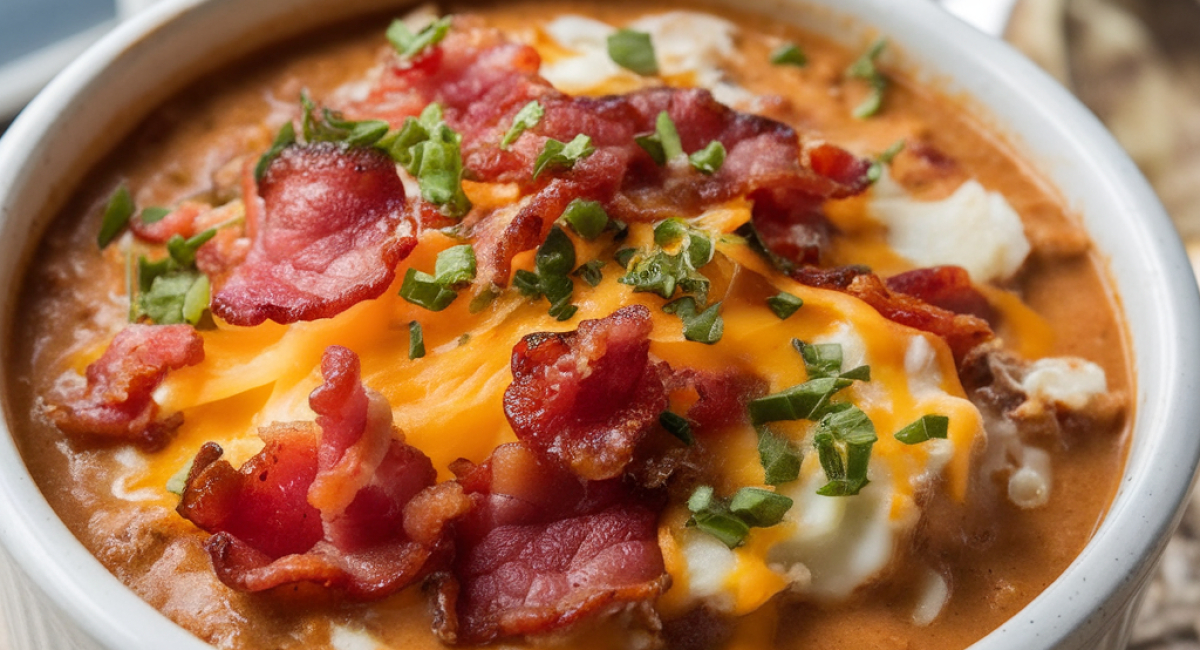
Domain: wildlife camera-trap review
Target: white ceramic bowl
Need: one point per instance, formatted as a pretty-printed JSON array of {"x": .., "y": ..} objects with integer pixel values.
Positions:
[{"x": 62, "y": 597}]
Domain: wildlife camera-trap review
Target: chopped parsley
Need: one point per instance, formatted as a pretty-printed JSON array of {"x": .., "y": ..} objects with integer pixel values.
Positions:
[
  {"x": 526, "y": 118},
  {"x": 172, "y": 290},
  {"x": 431, "y": 151},
  {"x": 634, "y": 51},
  {"x": 562, "y": 155},
  {"x": 925, "y": 428},
  {"x": 789, "y": 54},
  {"x": 409, "y": 45},
  {"x": 864, "y": 68}
]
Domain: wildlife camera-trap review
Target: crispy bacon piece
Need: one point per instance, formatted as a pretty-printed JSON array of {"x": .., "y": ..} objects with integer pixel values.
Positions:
[
  {"x": 333, "y": 229},
  {"x": 962, "y": 332},
  {"x": 948, "y": 287},
  {"x": 117, "y": 404},
  {"x": 722, "y": 396},
  {"x": 344, "y": 503},
  {"x": 587, "y": 397},
  {"x": 542, "y": 549},
  {"x": 482, "y": 81}
]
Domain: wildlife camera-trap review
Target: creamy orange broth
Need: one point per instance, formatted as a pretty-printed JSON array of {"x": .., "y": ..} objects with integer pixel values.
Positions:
[{"x": 74, "y": 300}]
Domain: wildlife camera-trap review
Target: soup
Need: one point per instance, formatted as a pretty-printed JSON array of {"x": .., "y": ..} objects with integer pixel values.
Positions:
[{"x": 572, "y": 325}]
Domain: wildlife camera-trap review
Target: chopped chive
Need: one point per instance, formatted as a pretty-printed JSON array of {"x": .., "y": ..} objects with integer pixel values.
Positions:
[
  {"x": 843, "y": 440},
  {"x": 195, "y": 301},
  {"x": 807, "y": 401},
  {"x": 587, "y": 218},
  {"x": 758, "y": 507},
  {"x": 455, "y": 266},
  {"x": 780, "y": 458},
  {"x": 283, "y": 139},
  {"x": 789, "y": 54},
  {"x": 408, "y": 44},
  {"x": 526, "y": 118},
  {"x": 183, "y": 251},
  {"x": 864, "y": 68},
  {"x": 423, "y": 290},
  {"x": 875, "y": 171},
  {"x": 928, "y": 426},
  {"x": 562, "y": 155},
  {"x": 483, "y": 299},
  {"x": 590, "y": 272},
  {"x": 663, "y": 145},
  {"x": 154, "y": 214},
  {"x": 178, "y": 481},
  {"x": 703, "y": 327},
  {"x": 709, "y": 159},
  {"x": 678, "y": 426},
  {"x": 633, "y": 51},
  {"x": 416, "y": 340},
  {"x": 117, "y": 212},
  {"x": 784, "y": 304}
]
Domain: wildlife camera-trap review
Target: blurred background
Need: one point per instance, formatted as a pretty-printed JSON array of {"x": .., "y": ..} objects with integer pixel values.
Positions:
[{"x": 1135, "y": 63}]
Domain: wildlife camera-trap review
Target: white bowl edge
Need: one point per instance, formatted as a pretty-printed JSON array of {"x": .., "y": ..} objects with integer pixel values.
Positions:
[{"x": 1067, "y": 144}]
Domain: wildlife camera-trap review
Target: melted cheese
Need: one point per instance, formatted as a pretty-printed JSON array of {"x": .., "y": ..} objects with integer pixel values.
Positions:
[{"x": 825, "y": 548}]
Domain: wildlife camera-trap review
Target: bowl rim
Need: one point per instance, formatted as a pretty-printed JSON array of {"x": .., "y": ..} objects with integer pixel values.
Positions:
[{"x": 1073, "y": 612}]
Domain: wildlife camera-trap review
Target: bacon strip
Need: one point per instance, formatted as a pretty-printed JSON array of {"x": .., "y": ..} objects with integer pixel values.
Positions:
[
  {"x": 117, "y": 404},
  {"x": 587, "y": 397},
  {"x": 962, "y": 332},
  {"x": 344, "y": 503},
  {"x": 543, "y": 549},
  {"x": 481, "y": 80},
  {"x": 948, "y": 287},
  {"x": 332, "y": 231}
]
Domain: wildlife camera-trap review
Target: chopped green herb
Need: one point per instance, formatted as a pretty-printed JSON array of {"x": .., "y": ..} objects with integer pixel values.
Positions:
[
  {"x": 780, "y": 458},
  {"x": 483, "y": 299},
  {"x": 661, "y": 272},
  {"x": 875, "y": 171},
  {"x": 455, "y": 266},
  {"x": 409, "y": 45},
  {"x": 807, "y": 401},
  {"x": 590, "y": 272},
  {"x": 526, "y": 118},
  {"x": 703, "y": 327},
  {"x": 154, "y": 214},
  {"x": 195, "y": 301},
  {"x": 554, "y": 261},
  {"x": 416, "y": 340},
  {"x": 663, "y": 145},
  {"x": 423, "y": 290},
  {"x": 562, "y": 155},
  {"x": 633, "y": 51},
  {"x": 928, "y": 426},
  {"x": 587, "y": 218},
  {"x": 164, "y": 302},
  {"x": 183, "y": 251},
  {"x": 864, "y": 68},
  {"x": 116, "y": 216},
  {"x": 843, "y": 440},
  {"x": 678, "y": 426},
  {"x": 758, "y": 507},
  {"x": 784, "y": 304},
  {"x": 624, "y": 256},
  {"x": 178, "y": 481},
  {"x": 283, "y": 139},
  {"x": 731, "y": 522},
  {"x": 825, "y": 360},
  {"x": 789, "y": 54},
  {"x": 709, "y": 159},
  {"x": 431, "y": 151}
]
